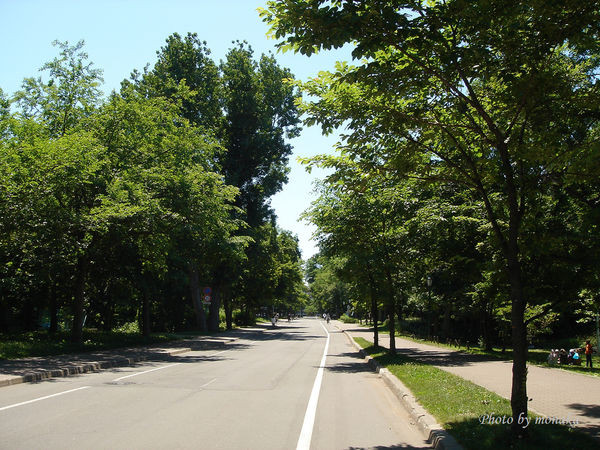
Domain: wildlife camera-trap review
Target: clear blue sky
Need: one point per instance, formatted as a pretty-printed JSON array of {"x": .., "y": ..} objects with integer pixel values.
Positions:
[{"x": 124, "y": 35}]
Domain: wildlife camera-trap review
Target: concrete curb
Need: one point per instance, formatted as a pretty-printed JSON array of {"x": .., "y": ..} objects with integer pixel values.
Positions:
[
  {"x": 93, "y": 366},
  {"x": 431, "y": 430}
]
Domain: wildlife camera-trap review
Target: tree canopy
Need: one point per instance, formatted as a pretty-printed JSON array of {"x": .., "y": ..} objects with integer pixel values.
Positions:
[{"x": 122, "y": 209}]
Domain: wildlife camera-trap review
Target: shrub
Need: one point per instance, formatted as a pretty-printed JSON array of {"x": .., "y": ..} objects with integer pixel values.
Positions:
[{"x": 347, "y": 319}]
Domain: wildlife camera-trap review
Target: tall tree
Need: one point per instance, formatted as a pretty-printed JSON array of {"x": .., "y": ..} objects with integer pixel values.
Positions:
[
  {"x": 185, "y": 60},
  {"x": 260, "y": 113}
]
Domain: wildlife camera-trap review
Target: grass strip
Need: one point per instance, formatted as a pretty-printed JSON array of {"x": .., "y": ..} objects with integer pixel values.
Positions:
[
  {"x": 461, "y": 406},
  {"x": 42, "y": 343}
]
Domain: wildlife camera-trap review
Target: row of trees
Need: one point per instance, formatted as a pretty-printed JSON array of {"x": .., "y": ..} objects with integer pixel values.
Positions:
[
  {"x": 471, "y": 155},
  {"x": 122, "y": 209}
]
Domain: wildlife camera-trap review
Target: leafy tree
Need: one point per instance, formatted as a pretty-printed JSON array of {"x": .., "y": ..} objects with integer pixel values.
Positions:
[
  {"x": 185, "y": 60},
  {"x": 259, "y": 113},
  {"x": 71, "y": 93}
]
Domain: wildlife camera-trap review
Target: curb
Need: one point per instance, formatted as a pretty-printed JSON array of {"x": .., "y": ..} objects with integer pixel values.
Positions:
[
  {"x": 117, "y": 361},
  {"x": 431, "y": 430}
]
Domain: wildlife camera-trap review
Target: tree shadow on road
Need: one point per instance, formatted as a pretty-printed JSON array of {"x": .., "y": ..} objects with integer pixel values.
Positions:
[
  {"x": 587, "y": 410},
  {"x": 357, "y": 365}
]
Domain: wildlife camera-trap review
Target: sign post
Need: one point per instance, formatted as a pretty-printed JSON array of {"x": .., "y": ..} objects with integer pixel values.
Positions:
[{"x": 206, "y": 295}]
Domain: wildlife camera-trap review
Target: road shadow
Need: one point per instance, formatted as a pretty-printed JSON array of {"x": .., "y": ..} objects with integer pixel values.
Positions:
[
  {"x": 357, "y": 365},
  {"x": 587, "y": 410}
]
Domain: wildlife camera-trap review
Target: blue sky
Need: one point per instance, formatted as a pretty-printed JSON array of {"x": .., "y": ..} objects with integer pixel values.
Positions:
[{"x": 124, "y": 35}]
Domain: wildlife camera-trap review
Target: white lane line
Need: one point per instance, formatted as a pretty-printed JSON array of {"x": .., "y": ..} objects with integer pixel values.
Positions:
[
  {"x": 311, "y": 410},
  {"x": 43, "y": 398},
  {"x": 210, "y": 382},
  {"x": 145, "y": 371},
  {"x": 157, "y": 368}
]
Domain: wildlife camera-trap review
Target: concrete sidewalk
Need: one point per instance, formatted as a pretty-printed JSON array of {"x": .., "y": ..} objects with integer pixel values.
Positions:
[
  {"x": 14, "y": 371},
  {"x": 553, "y": 392}
]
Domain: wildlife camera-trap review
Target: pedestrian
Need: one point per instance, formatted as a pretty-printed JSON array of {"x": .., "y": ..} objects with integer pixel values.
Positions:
[{"x": 588, "y": 354}]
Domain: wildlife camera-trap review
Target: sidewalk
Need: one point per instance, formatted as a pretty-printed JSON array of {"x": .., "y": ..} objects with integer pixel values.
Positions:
[
  {"x": 14, "y": 371},
  {"x": 553, "y": 392}
]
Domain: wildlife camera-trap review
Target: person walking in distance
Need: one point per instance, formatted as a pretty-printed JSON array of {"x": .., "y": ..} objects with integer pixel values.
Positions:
[{"x": 588, "y": 354}]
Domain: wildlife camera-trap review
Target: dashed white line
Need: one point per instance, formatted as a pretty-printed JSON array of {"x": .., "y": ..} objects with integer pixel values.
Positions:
[
  {"x": 210, "y": 382},
  {"x": 42, "y": 398},
  {"x": 145, "y": 371},
  {"x": 311, "y": 410},
  {"x": 158, "y": 368}
]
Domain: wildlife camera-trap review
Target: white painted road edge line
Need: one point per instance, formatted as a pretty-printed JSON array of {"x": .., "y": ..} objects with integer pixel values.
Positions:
[
  {"x": 43, "y": 398},
  {"x": 311, "y": 409}
]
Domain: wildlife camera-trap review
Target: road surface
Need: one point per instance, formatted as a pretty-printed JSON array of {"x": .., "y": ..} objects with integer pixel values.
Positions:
[{"x": 300, "y": 385}]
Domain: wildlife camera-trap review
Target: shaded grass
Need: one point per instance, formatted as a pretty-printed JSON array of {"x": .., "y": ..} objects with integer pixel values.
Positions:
[
  {"x": 42, "y": 343},
  {"x": 460, "y": 406}
]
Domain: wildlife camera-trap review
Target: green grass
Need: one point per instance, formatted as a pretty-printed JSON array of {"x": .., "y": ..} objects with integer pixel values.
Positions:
[
  {"x": 41, "y": 343},
  {"x": 458, "y": 405},
  {"x": 534, "y": 356}
]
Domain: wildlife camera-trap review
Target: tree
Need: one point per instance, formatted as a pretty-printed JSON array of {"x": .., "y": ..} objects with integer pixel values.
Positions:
[
  {"x": 249, "y": 108},
  {"x": 491, "y": 96},
  {"x": 259, "y": 113},
  {"x": 71, "y": 93},
  {"x": 185, "y": 60}
]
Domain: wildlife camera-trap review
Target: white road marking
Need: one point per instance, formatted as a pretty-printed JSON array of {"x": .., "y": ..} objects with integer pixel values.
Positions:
[
  {"x": 145, "y": 371},
  {"x": 210, "y": 382},
  {"x": 311, "y": 410},
  {"x": 157, "y": 368},
  {"x": 42, "y": 398}
]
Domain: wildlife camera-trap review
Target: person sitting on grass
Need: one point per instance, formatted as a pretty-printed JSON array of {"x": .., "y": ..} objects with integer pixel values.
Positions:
[
  {"x": 553, "y": 357},
  {"x": 562, "y": 357},
  {"x": 576, "y": 360}
]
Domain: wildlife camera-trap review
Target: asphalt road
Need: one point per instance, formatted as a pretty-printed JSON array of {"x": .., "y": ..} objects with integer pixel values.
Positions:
[{"x": 300, "y": 385}]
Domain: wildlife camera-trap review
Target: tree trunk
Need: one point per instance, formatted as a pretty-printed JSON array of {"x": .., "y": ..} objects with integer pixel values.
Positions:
[
  {"x": 215, "y": 306},
  {"x": 399, "y": 310},
  {"x": 391, "y": 311},
  {"x": 197, "y": 299},
  {"x": 446, "y": 321},
  {"x": 518, "y": 400},
  {"x": 146, "y": 312},
  {"x": 374, "y": 311},
  {"x": 53, "y": 309},
  {"x": 228, "y": 305},
  {"x": 79, "y": 300},
  {"x": 510, "y": 248},
  {"x": 3, "y": 315}
]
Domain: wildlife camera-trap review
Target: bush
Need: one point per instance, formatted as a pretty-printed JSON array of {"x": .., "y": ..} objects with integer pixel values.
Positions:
[
  {"x": 240, "y": 318},
  {"x": 129, "y": 328},
  {"x": 347, "y": 319}
]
